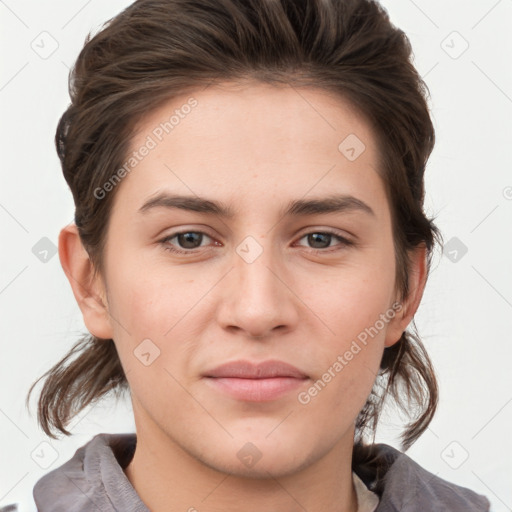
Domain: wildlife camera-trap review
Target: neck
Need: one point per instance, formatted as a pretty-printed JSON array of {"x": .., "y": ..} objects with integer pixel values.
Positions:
[{"x": 168, "y": 478}]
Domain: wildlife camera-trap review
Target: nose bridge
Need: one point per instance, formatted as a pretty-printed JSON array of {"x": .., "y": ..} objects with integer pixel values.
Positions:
[
  {"x": 259, "y": 300},
  {"x": 256, "y": 280}
]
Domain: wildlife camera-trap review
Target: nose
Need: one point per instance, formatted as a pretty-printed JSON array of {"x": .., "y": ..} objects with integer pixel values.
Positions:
[{"x": 258, "y": 299}]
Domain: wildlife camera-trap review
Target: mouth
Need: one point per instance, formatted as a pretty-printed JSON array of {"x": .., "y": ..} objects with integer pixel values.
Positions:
[{"x": 253, "y": 382}]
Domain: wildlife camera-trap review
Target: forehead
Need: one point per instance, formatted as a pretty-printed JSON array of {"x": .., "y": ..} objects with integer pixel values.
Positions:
[{"x": 253, "y": 142}]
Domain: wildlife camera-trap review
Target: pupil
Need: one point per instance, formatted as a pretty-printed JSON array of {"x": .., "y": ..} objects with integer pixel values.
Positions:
[
  {"x": 315, "y": 237},
  {"x": 187, "y": 240}
]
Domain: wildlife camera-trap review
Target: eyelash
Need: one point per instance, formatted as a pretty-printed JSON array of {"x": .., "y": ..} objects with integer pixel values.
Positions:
[{"x": 344, "y": 242}]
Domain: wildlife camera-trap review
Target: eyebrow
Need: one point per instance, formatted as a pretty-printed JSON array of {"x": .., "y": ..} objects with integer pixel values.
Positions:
[{"x": 300, "y": 207}]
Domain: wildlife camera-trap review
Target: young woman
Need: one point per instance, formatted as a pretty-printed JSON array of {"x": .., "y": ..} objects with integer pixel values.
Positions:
[{"x": 249, "y": 249}]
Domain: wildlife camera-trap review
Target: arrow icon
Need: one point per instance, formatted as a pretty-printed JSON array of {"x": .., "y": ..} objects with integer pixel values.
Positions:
[
  {"x": 351, "y": 147},
  {"x": 243, "y": 249},
  {"x": 453, "y": 253},
  {"x": 455, "y": 249},
  {"x": 146, "y": 352},
  {"x": 450, "y": 455},
  {"x": 249, "y": 455}
]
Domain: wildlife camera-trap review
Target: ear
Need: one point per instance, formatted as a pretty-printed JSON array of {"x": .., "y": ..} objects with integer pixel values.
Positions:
[
  {"x": 89, "y": 290},
  {"x": 417, "y": 281}
]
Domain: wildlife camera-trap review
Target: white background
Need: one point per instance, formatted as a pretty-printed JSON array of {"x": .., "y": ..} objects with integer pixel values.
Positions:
[{"x": 465, "y": 318}]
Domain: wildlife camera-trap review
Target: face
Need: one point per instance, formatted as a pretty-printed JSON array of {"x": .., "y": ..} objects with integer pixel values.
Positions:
[{"x": 290, "y": 260}]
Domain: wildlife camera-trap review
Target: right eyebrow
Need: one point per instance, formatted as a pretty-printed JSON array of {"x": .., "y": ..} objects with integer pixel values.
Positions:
[{"x": 190, "y": 203}]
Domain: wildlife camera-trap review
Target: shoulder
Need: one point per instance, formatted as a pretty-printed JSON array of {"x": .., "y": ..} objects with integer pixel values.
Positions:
[
  {"x": 402, "y": 484},
  {"x": 92, "y": 479},
  {"x": 53, "y": 489}
]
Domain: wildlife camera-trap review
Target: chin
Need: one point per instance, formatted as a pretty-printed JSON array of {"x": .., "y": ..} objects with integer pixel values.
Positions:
[
  {"x": 274, "y": 465},
  {"x": 260, "y": 456}
]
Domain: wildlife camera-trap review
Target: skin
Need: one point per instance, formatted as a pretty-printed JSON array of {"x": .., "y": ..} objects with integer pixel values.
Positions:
[{"x": 255, "y": 148}]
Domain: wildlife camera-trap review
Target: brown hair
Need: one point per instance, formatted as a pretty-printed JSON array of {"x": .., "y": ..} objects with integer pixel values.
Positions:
[{"x": 155, "y": 50}]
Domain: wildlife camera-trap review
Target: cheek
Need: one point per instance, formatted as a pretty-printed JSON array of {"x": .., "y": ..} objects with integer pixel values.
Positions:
[
  {"x": 155, "y": 299},
  {"x": 341, "y": 385},
  {"x": 158, "y": 318},
  {"x": 355, "y": 307},
  {"x": 350, "y": 299}
]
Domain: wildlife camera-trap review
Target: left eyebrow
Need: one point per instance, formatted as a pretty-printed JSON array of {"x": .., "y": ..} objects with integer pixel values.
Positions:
[{"x": 296, "y": 208}]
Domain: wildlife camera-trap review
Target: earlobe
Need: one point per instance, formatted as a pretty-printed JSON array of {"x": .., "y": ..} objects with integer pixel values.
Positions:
[
  {"x": 409, "y": 306},
  {"x": 89, "y": 290}
]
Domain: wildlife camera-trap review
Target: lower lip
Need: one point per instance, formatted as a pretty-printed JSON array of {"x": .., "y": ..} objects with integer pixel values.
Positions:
[{"x": 256, "y": 390}]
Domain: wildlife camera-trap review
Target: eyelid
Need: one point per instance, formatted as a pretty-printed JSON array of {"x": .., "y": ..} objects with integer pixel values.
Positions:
[
  {"x": 192, "y": 229},
  {"x": 332, "y": 231}
]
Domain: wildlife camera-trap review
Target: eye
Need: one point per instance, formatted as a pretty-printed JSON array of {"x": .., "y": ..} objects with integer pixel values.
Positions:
[
  {"x": 188, "y": 240},
  {"x": 185, "y": 242},
  {"x": 321, "y": 240}
]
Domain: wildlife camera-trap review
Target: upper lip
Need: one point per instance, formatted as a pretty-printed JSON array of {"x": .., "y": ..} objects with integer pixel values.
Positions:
[{"x": 263, "y": 370}]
